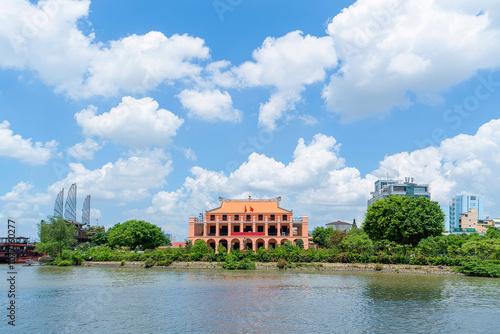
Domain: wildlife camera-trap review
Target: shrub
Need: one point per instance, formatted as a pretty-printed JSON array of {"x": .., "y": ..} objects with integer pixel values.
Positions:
[
  {"x": 64, "y": 263},
  {"x": 379, "y": 266},
  {"x": 282, "y": 264},
  {"x": 481, "y": 269},
  {"x": 231, "y": 262},
  {"x": 149, "y": 263},
  {"x": 246, "y": 264},
  {"x": 122, "y": 263}
]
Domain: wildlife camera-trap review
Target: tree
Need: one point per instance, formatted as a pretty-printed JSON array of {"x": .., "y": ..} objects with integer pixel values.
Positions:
[
  {"x": 493, "y": 232},
  {"x": 199, "y": 249},
  {"x": 354, "y": 225},
  {"x": 300, "y": 243},
  {"x": 357, "y": 241},
  {"x": 335, "y": 238},
  {"x": 136, "y": 233},
  {"x": 321, "y": 234},
  {"x": 403, "y": 219},
  {"x": 100, "y": 238},
  {"x": 55, "y": 236}
]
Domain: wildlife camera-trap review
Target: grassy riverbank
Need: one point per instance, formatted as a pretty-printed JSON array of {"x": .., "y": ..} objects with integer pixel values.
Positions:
[
  {"x": 355, "y": 267},
  {"x": 462, "y": 254}
]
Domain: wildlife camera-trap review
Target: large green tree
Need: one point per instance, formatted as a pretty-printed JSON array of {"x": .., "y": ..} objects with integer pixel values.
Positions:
[
  {"x": 403, "y": 219},
  {"x": 100, "y": 238},
  {"x": 321, "y": 235},
  {"x": 55, "y": 236},
  {"x": 136, "y": 233}
]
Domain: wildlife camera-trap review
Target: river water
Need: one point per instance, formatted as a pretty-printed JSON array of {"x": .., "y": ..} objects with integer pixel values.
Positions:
[{"x": 120, "y": 300}]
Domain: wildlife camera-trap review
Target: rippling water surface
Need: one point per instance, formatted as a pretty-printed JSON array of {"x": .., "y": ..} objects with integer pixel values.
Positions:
[{"x": 119, "y": 300}]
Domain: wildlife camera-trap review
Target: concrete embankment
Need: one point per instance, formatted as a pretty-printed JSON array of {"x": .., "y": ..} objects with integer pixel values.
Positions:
[{"x": 363, "y": 267}]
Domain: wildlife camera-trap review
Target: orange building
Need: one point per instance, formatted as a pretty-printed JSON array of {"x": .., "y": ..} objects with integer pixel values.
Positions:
[{"x": 253, "y": 223}]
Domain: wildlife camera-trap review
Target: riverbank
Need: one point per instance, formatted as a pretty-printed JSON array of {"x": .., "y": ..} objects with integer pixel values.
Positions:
[{"x": 355, "y": 267}]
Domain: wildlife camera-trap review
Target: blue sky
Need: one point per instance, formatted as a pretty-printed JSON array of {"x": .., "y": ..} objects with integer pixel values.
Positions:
[{"x": 157, "y": 108}]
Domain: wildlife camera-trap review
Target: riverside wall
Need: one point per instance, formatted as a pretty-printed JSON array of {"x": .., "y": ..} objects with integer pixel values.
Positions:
[{"x": 359, "y": 267}]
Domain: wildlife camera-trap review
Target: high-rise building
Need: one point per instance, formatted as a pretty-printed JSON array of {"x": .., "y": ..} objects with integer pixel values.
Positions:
[
  {"x": 248, "y": 224},
  {"x": 170, "y": 236},
  {"x": 462, "y": 204},
  {"x": 386, "y": 188}
]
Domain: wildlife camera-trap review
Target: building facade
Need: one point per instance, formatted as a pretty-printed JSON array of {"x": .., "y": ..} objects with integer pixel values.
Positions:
[
  {"x": 467, "y": 221},
  {"x": 248, "y": 224},
  {"x": 462, "y": 204},
  {"x": 386, "y": 188}
]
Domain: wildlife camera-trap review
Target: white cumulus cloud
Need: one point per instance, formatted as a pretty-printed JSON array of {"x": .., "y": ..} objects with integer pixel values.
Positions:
[
  {"x": 136, "y": 123},
  {"x": 390, "y": 50},
  {"x": 85, "y": 150},
  {"x": 125, "y": 180},
  {"x": 45, "y": 37},
  {"x": 15, "y": 146},
  {"x": 210, "y": 105}
]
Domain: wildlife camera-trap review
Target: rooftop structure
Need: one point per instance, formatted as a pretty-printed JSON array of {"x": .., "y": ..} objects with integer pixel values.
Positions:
[
  {"x": 248, "y": 223},
  {"x": 340, "y": 226},
  {"x": 386, "y": 188}
]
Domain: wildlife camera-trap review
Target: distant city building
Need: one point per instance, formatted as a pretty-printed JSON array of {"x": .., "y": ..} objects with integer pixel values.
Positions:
[
  {"x": 248, "y": 223},
  {"x": 170, "y": 237},
  {"x": 482, "y": 225},
  {"x": 340, "y": 226},
  {"x": 462, "y": 204},
  {"x": 386, "y": 188},
  {"x": 467, "y": 221}
]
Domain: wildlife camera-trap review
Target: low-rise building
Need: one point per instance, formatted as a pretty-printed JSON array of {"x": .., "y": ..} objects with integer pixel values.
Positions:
[
  {"x": 340, "y": 226},
  {"x": 248, "y": 224},
  {"x": 386, "y": 188}
]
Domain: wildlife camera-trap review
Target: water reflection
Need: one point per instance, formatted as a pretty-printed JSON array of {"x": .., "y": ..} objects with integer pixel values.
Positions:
[{"x": 120, "y": 300}]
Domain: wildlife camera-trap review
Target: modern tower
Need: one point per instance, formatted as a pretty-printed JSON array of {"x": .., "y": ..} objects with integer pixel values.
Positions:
[{"x": 462, "y": 204}]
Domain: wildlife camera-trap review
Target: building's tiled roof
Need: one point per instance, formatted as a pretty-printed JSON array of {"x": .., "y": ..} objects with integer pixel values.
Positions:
[
  {"x": 338, "y": 222},
  {"x": 252, "y": 206}
]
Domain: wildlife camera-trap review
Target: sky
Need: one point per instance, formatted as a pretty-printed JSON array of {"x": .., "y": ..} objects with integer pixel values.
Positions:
[{"x": 158, "y": 108}]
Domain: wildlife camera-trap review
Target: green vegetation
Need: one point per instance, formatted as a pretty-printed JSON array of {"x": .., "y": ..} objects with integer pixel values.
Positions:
[
  {"x": 100, "y": 238},
  {"x": 136, "y": 234},
  {"x": 403, "y": 219},
  {"x": 471, "y": 254},
  {"x": 481, "y": 269},
  {"x": 55, "y": 236},
  {"x": 357, "y": 241},
  {"x": 321, "y": 235}
]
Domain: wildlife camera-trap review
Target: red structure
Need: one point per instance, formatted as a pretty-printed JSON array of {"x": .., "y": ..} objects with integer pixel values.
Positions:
[
  {"x": 21, "y": 250},
  {"x": 249, "y": 223}
]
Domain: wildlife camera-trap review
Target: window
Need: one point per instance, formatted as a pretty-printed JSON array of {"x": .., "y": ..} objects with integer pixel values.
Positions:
[
  {"x": 285, "y": 218},
  {"x": 236, "y": 217},
  {"x": 236, "y": 228},
  {"x": 212, "y": 217},
  {"x": 261, "y": 217},
  {"x": 260, "y": 228},
  {"x": 272, "y": 217},
  {"x": 249, "y": 218},
  {"x": 224, "y": 217}
]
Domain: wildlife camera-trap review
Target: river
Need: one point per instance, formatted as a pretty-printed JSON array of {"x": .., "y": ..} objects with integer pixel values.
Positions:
[{"x": 120, "y": 300}]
